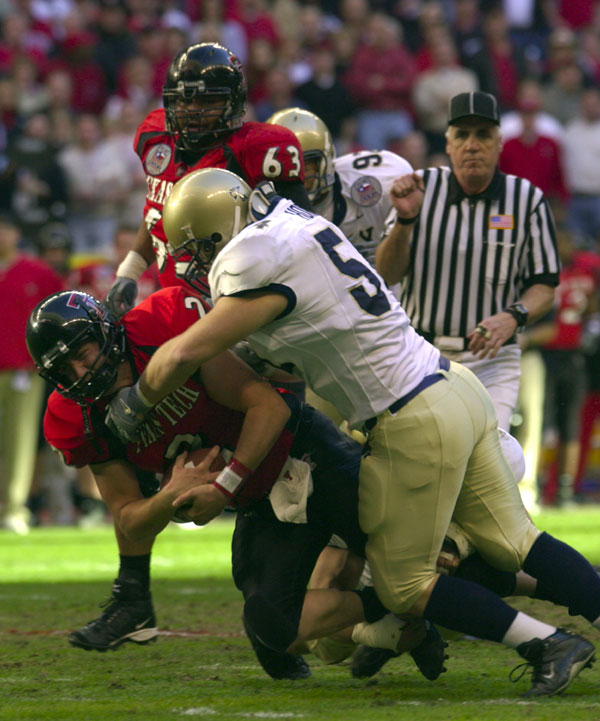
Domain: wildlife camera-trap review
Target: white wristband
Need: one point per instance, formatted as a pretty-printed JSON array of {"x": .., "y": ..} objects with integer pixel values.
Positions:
[{"x": 133, "y": 266}]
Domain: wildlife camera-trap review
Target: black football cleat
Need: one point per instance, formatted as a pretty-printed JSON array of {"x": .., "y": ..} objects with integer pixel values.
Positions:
[
  {"x": 556, "y": 661},
  {"x": 128, "y": 616},
  {"x": 429, "y": 656},
  {"x": 367, "y": 661},
  {"x": 278, "y": 665}
]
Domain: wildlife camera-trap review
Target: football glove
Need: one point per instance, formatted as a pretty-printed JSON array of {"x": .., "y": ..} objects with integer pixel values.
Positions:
[
  {"x": 121, "y": 297},
  {"x": 126, "y": 413},
  {"x": 262, "y": 200}
]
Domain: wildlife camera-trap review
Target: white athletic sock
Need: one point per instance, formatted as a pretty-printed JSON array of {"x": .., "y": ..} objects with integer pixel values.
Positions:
[
  {"x": 384, "y": 633},
  {"x": 524, "y": 628}
]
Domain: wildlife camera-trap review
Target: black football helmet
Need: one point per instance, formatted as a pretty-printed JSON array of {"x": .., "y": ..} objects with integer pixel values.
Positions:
[
  {"x": 62, "y": 323},
  {"x": 204, "y": 69}
]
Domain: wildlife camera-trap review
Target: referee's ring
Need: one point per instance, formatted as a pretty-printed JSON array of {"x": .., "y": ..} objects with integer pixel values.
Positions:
[{"x": 482, "y": 330}]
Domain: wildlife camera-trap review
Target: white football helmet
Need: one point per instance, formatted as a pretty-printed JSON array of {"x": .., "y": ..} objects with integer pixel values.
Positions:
[
  {"x": 316, "y": 143},
  {"x": 204, "y": 211}
]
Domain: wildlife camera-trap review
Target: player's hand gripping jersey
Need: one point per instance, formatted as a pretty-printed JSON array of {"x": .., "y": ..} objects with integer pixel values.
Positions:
[
  {"x": 185, "y": 419},
  {"x": 256, "y": 151}
]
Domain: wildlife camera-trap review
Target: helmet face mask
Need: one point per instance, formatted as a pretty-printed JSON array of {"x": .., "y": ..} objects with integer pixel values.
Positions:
[
  {"x": 58, "y": 328},
  {"x": 317, "y": 145},
  {"x": 204, "y": 96},
  {"x": 202, "y": 252},
  {"x": 203, "y": 212}
]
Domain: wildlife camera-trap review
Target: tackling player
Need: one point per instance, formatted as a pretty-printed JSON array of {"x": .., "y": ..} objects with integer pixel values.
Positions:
[
  {"x": 201, "y": 126},
  {"x": 293, "y": 285},
  {"x": 81, "y": 348}
]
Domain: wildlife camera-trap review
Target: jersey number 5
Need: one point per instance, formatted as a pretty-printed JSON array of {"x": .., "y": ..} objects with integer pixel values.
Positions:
[{"x": 375, "y": 303}]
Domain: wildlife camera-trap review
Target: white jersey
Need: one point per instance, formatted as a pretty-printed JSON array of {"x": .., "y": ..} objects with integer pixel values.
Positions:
[
  {"x": 343, "y": 331},
  {"x": 361, "y": 204}
]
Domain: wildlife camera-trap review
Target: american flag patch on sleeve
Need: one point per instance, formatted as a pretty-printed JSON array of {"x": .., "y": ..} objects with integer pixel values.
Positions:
[{"x": 501, "y": 222}]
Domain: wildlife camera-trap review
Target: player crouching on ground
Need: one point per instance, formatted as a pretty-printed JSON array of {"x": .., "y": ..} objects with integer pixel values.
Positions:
[{"x": 287, "y": 507}]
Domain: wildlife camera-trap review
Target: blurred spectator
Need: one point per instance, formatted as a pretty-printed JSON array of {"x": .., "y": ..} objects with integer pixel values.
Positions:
[
  {"x": 143, "y": 14},
  {"x": 413, "y": 148},
  {"x": 380, "y": 81},
  {"x": 121, "y": 130},
  {"x": 591, "y": 406},
  {"x": 431, "y": 33},
  {"x": 116, "y": 43},
  {"x": 18, "y": 38},
  {"x": 533, "y": 156},
  {"x": 590, "y": 53},
  {"x": 257, "y": 22},
  {"x": 354, "y": 15},
  {"x": 511, "y": 123},
  {"x": 9, "y": 116},
  {"x": 506, "y": 62},
  {"x": 21, "y": 390},
  {"x": 152, "y": 44},
  {"x": 566, "y": 371},
  {"x": 434, "y": 88},
  {"x": 213, "y": 26},
  {"x": 261, "y": 59},
  {"x": 39, "y": 188},
  {"x": 89, "y": 82},
  {"x": 324, "y": 94},
  {"x": 582, "y": 164},
  {"x": 31, "y": 94},
  {"x": 136, "y": 84},
  {"x": 467, "y": 28},
  {"x": 562, "y": 94},
  {"x": 529, "y": 22},
  {"x": 279, "y": 94},
  {"x": 98, "y": 181}
]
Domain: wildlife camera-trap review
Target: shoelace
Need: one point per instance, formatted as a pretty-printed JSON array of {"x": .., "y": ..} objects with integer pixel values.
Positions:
[{"x": 523, "y": 668}]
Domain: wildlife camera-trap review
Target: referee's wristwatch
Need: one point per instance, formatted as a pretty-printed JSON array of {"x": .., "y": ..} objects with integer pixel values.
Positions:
[{"x": 520, "y": 313}]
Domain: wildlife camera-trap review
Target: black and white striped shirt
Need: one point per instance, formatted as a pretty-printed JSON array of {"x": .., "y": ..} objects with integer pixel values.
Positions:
[{"x": 472, "y": 256}]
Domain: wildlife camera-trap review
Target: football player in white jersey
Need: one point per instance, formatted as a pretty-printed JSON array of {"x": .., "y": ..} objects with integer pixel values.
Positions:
[
  {"x": 353, "y": 190},
  {"x": 298, "y": 290}
]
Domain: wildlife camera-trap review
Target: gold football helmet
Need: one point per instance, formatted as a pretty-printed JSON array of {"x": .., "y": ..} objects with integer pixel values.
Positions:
[
  {"x": 317, "y": 146},
  {"x": 204, "y": 211}
]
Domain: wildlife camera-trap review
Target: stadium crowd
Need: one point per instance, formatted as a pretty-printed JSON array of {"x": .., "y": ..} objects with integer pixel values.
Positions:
[{"x": 77, "y": 77}]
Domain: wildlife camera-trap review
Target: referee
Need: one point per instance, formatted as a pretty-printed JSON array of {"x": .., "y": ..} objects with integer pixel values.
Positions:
[{"x": 476, "y": 252}]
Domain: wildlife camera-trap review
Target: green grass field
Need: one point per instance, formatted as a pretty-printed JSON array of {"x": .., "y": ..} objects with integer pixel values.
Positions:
[{"x": 202, "y": 665}]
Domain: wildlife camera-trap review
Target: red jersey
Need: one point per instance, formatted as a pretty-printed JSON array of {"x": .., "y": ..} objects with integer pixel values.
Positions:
[
  {"x": 578, "y": 283},
  {"x": 23, "y": 284},
  {"x": 186, "y": 418},
  {"x": 256, "y": 151}
]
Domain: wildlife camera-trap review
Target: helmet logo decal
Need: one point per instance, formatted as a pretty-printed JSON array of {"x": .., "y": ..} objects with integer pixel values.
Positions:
[
  {"x": 366, "y": 191},
  {"x": 158, "y": 159},
  {"x": 73, "y": 300}
]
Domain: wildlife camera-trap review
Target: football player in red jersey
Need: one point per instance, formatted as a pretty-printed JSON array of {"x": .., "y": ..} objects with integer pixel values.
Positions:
[
  {"x": 80, "y": 347},
  {"x": 201, "y": 126}
]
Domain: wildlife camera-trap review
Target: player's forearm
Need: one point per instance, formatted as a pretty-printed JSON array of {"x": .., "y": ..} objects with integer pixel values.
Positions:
[
  {"x": 262, "y": 427},
  {"x": 143, "y": 244},
  {"x": 392, "y": 257},
  {"x": 145, "y": 518}
]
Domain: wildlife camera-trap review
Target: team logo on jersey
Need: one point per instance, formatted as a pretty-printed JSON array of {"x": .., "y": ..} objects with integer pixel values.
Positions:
[
  {"x": 366, "y": 191},
  {"x": 158, "y": 159}
]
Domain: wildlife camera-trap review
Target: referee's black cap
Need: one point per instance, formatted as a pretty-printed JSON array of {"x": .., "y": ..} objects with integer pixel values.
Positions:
[{"x": 478, "y": 104}]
